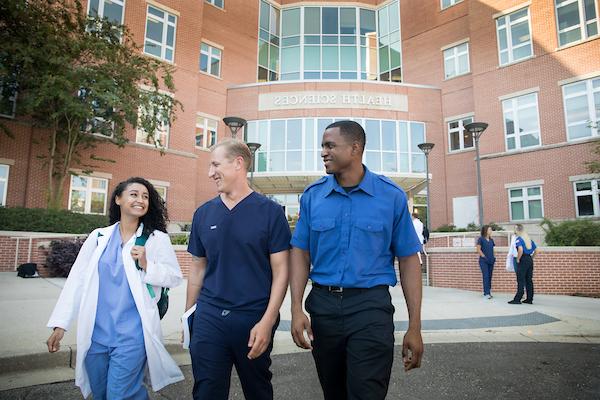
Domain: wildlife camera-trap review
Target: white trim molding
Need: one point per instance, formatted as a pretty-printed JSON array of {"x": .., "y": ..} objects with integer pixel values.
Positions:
[
  {"x": 457, "y": 43},
  {"x": 7, "y": 161},
  {"x": 537, "y": 182},
  {"x": 586, "y": 177},
  {"x": 579, "y": 78},
  {"x": 156, "y": 182},
  {"x": 510, "y": 10},
  {"x": 519, "y": 93}
]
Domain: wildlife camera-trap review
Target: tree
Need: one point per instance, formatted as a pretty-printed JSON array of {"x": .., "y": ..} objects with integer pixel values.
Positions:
[{"x": 83, "y": 81}]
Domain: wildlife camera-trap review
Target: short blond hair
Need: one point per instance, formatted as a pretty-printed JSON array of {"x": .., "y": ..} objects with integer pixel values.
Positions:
[{"x": 235, "y": 148}]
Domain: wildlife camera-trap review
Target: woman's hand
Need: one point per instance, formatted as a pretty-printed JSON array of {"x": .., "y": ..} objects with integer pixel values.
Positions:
[
  {"x": 139, "y": 254},
  {"x": 53, "y": 341}
]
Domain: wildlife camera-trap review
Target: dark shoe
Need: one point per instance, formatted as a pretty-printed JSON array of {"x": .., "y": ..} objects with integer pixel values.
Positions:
[
  {"x": 514, "y": 302},
  {"x": 528, "y": 301}
]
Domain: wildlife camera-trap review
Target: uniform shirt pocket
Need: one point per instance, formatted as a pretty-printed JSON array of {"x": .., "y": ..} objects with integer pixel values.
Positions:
[{"x": 324, "y": 235}]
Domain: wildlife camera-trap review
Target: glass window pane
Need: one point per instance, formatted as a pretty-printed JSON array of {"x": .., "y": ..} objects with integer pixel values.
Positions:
[
  {"x": 394, "y": 14},
  {"x": 372, "y": 134},
  {"x": 418, "y": 162},
  {"x": 97, "y": 204},
  {"x": 290, "y": 59},
  {"x": 3, "y": 173},
  {"x": 533, "y": 191},
  {"x": 264, "y": 15},
  {"x": 502, "y": 39},
  {"x": 312, "y": 58},
  {"x": 384, "y": 59},
  {"x": 518, "y": 15},
  {"x": 388, "y": 133},
  {"x": 535, "y": 209},
  {"x": 113, "y": 12},
  {"x": 373, "y": 160},
  {"x": 263, "y": 53},
  {"x": 348, "y": 58},
  {"x": 395, "y": 55},
  {"x": 2, "y": 192},
  {"x": 367, "y": 21},
  {"x": 78, "y": 181},
  {"x": 454, "y": 141},
  {"x": 580, "y": 186},
  {"x": 467, "y": 139},
  {"x": 417, "y": 133},
  {"x": 330, "y": 20},
  {"x": 463, "y": 64},
  {"x": 98, "y": 184},
  {"x": 568, "y": 15},
  {"x": 294, "y": 161},
  {"x": 94, "y": 7},
  {"x": 589, "y": 9},
  {"x": 585, "y": 205},
  {"x": 277, "y": 135},
  {"x": 516, "y": 193},
  {"x": 294, "y": 134},
  {"x": 592, "y": 29},
  {"x": 170, "y": 35},
  {"x": 570, "y": 36},
  {"x": 154, "y": 30},
  {"x": 78, "y": 200},
  {"x": 522, "y": 52},
  {"x": 215, "y": 66},
  {"x": 273, "y": 58},
  {"x": 404, "y": 162},
  {"x": 383, "y": 21},
  {"x": 309, "y": 160},
  {"x": 330, "y": 58},
  {"x": 309, "y": 134},
  {"x": 449, "y": 67},
  {"x": 528, "y": 120},
  {"x": 261, "y": 165},
  {"x": 577, "y": 109},
  {"x": 290, "y": 22},
  {"x": 277, "y": 160},
  {"x": 520, "y": 33},
  {"x": 312, "y": 20},
  {"x": 517, "y": 211},
  {"x": 156, "y": 12},
  {"x": 274, "y": 21},
  {"x": 389, "y": 162},
  {"x": 348, "y": 21}
]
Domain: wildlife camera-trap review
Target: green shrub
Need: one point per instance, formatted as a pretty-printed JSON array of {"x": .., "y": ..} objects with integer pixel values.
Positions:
[
  {"x": 472, "y": 227},
  {"x": 43, "y": 220},
  {"x": 572, "y": 233},
  {"x": 445, "y": 228},
  {"x": 180, "y": 239}
]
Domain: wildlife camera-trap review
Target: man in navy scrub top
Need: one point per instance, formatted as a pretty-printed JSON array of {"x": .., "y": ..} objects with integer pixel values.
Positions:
[
  {"x": 238, "y": 278},
  {"x": 352, "y": 225}
]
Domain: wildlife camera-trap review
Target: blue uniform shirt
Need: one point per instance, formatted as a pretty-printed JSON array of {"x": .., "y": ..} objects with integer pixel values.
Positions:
[
  {"x": 487, "y": 248},
  {"x": 521, "y": 242},
  {"x": 353, "y": 237},
  {"x": 237, "y": 245},
  {"x": 117, "y": 319}
]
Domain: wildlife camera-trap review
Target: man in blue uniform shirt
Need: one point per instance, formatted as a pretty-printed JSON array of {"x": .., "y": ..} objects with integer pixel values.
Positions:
[
  {"x": 238, "y": 279},
  {"x": 352, "y": 224}
]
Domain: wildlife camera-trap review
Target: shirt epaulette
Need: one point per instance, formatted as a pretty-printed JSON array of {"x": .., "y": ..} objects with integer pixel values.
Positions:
[
  {"x": 389, "y": 181},
  {"x": 319, "y": 181}
]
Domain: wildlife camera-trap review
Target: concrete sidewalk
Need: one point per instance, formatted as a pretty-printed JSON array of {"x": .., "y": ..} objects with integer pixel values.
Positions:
[{"x": 449, "y": 316}]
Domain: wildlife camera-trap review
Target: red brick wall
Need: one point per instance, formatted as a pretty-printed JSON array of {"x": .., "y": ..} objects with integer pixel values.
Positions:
[
  {"x": 559, "y": 270},
  {"x": 39, "y": 246}
]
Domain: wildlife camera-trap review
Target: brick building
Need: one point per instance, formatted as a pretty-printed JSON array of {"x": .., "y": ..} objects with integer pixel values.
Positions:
[{"x": 408, "y": 71}]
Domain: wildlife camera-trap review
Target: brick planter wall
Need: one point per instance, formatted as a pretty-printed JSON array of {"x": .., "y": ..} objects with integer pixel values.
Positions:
[{"x": 557, "y": 270}]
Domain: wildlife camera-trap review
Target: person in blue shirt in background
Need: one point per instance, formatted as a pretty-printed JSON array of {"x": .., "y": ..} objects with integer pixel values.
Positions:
[
  {"x": 240, "y": 244},
  {"x": 485, "y": 248},
  {"x": 526, "y": 250},
  {"x": 352, "y": 225}
]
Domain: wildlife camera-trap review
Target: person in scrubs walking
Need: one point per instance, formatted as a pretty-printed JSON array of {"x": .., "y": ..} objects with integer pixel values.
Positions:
[
  {"x": 108, "y": 291},
  {"x": 485, "y": 249}
]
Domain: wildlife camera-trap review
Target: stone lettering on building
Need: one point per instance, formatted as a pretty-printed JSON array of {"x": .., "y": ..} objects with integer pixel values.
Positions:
[{"x": 332, "y": 99}]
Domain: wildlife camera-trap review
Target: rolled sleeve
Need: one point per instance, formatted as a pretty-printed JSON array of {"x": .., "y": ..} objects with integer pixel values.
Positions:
[{"x": 301, "y": 237}]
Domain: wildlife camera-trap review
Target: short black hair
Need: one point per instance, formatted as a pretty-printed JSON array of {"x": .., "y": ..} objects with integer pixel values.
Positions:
[
  {"x": 155, "y": 219},
  {"x": 351, "y": 130}
]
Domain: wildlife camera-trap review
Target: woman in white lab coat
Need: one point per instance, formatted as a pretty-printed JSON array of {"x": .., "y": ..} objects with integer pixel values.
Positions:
[{"x": 118, "y": 325}]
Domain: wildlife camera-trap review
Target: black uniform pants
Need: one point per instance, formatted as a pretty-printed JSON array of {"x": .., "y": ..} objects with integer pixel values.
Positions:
[
  {"x": 525, "y": 278},
  {"x": 353, "y": 344}
]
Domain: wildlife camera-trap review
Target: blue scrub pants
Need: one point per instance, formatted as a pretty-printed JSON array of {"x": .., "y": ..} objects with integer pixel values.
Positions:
[
  {"x": 219, "y": 341},
  {"x": 486, "y": 271},
  {"x": 116, "y": 372}
]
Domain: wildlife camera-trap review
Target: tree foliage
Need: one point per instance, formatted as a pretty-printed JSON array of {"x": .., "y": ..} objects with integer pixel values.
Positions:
[
  {"x": 572, "y": 233},
  {"x": 81, "y": 80}
]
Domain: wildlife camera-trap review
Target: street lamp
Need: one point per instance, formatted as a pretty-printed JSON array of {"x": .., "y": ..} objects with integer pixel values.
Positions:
[
  {"x": 476, "y": 129},
  {"x": 234, "y": 124},
  {"x": 426, "y": 149},
  {"x": 253, "y": 147}
]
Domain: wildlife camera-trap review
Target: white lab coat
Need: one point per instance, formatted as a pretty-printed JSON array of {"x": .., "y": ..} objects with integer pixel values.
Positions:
[
  {"x": 512, "y": 254},
  {"x": 79, "y": 299}
]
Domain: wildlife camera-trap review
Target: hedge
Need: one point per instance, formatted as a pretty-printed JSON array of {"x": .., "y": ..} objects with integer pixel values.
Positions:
[
  {"x": 43, "y": 220},
  {"x": 572, "y": 233}
]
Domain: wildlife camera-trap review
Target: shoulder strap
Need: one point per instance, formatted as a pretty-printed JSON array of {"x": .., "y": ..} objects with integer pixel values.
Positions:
[{"x": 142, "y": 239}]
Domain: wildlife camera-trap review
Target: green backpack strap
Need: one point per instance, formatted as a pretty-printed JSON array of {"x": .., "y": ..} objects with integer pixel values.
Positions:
[
  {"x": 141, "y": 241},
  {"x": 163, "y": 302}
]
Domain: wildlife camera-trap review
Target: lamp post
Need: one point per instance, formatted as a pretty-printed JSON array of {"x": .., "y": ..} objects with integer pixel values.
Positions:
[
  {"x": 253, "y": 147},
  {"x": 426, "y": 149},
  {"x": 234, "y": 124},
  {"x": 476, "y": 129}
]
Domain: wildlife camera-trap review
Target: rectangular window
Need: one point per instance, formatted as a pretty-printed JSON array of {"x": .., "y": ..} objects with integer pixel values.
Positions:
[
  {"x": 109, "y": 9},
  {"x": 162, "y": 192},
  {"x": 160, "y": 34},
  {"x": 216, "y": 3},
  {"x": 161, "y": 135},
  {"x": 514, "y": 36},
  {"x": 576, "y": 20},
  {"x": 458, "y": 137},
  {"x": 88, "y": 194},
  {"x": 449, "y": 3},
  {"x": 456, "y": 60},
  {"x": 210, "y": 59},
  {"x": 8, "y": 100},
  {"x": 4, "y": 169},
  {"x": 521, "y": 122},
  {"x": 526, "y": 203},
  {"x": 587, "y": 198},
  {"x": 206, "y": 132},
  {"x": 582, "y": 108}
]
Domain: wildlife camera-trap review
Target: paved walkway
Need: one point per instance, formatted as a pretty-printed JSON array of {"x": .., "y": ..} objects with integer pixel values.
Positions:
[{"x": 449, "y": 316}]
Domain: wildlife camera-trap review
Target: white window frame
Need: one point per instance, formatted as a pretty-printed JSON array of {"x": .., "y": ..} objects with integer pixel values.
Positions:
[
  {"x": 206, "y": 143},
  {"x": 3, "y": 195},
  {"x": 593, "y": 119},
  {"x": 452, "y": 3},
  {"x": 163, "y": 44},
  {"x": 594, "y": 192},
  {"x": 512, "y": 104},
  {"x": 88, "y": 194},
  {"x": 452, "y": 54},
  {"x": 212, "y": 2},
  {"x": 525, "y": 199},
  {"x": 460, "y": 130},
  {"x": 101, "y": 4},
  {"x": 508, "y": 24},
  {"x": 582, "y": 25},
  {"x": 213, "y": 52},
  {"x": 164, "y": 189}
]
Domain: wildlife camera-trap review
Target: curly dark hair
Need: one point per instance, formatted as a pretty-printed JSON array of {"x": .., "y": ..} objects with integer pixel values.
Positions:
[{"x": 155, "y": 218}]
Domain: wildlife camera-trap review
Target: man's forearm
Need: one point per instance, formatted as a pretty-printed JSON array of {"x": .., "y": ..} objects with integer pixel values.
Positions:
[
  {"x": 299, "y": 267},
  {"x": 412, "y": 286},
  {"x": 195, "y": 280}
]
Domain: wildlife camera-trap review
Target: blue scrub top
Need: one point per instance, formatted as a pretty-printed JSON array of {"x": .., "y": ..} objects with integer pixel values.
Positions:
[
  {"x": 117, "y": 319},
  {"x": 237, "y": 245},
  {"x": 353, "y": 237},
  {"x": 487, "y": 248},
  {"x": 521, "y": 242}
]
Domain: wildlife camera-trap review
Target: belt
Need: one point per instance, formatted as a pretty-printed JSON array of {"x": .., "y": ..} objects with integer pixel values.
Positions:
[{"x": 340, "y": 290}]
